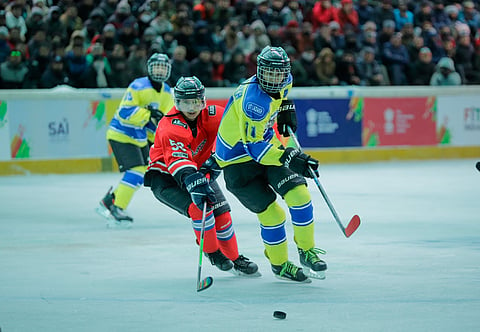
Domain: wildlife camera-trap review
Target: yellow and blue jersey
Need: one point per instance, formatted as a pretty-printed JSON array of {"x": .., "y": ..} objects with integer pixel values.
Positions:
[
  {"x": 131, "y": 123},
  {"x": 246, "y": 130}
]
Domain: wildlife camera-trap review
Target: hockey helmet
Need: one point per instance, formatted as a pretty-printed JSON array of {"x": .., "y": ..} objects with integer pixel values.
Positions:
[
  {"x": 189, "y": 95},
  {"x": 273, "y": 69},
  {"x": 159, "y": 67}
]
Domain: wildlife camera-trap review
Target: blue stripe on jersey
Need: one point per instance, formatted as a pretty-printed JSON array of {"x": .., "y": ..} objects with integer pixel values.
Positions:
[
  {"x": 273, "y": 235},
  {"x": 302, "y": 215},
  {"x": 256, "y": 104},
  {"x": 134, "y": 132},
  {"x": 141, "y": 83},
  {"x": 226, "y": 152},
  {"x": 126, "y": 111},
  {"x": 257, "y": 150},
  {"x": 151, "y": 127}
]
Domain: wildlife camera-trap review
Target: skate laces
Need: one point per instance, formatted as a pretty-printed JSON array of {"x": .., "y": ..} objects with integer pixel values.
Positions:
[
  {"x": 311, "y": 255},
  {"x": 241, "y": 261},
  {"x": 289, "y": 268}
]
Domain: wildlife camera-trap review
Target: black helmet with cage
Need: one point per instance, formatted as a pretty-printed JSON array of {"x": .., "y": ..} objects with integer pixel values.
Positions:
[
  {"x": 273, "y": 69},
  {"x": 189, "y": 94},
  {"x": 159, "y": 67}
]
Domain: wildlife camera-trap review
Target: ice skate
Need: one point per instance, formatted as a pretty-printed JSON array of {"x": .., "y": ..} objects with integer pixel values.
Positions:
[
  {"x": 314, "y": 267},
  {"x": 242, "y": 266},
  {"x": 116, "y": 217},
  {"x": 290, "y": 272},
  {"x": 219, "y": 260}
]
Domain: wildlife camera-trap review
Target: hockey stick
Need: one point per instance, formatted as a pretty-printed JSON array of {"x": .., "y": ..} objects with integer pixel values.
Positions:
[
  {"x": 354, "y": 222},
  {"x": 208, "y": 281}
]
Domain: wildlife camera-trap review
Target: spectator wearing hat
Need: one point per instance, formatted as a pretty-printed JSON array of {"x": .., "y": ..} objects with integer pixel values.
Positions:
[
  {"x": 396, "y": 59},
  {"x": 470, "y": 15},
  {"x": 260, "y": 34},
  {"x": 422, "y": 69},
  {"x": 76, "y": 66},
  {"x": 323, "y": 13},
  {"x": 325, "y": 68},
  {"x": 99, "y": 66},
  {"x": 56, "y": 30},
  {"x": 109, "y": 38},
  {"x": 5, "y": 48},
  {"x": 338, "y": 39},
  {"x": 365, "y": 12},
  {"x": 54, "y": 75},
  {"x": 348, "y": 16},
  {"x": 452, "y": 14},
  {"x": 384, "y": 12},
  {"x": 122, "y": 13},
  {"x": 445, "y": 73},
  {"x": 14, "y": 71},
  {"x": 40, "y": 4},
  {"x": 402, "y": 15},
  {"x": 386, "y": 33},
  {"x": 34, "y": 22},
  {"x": 14, "y": 19},
  {"x": 369, "y": 70},
  {"x": 146, "y": 13}
]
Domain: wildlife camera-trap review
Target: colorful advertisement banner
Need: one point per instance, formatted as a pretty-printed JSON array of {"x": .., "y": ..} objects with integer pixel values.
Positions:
[
  {"x": 458, "y": 120},
  {"x": 399, "y": 121},
  {"x": 58, "y": 129},
  {"x": 4, "y": 132},
  {"x": 328, "y": 122}
]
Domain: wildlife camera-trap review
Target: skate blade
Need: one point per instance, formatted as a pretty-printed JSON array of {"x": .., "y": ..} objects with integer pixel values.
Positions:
[
  {"x": 115, "y": 224},
  {"x": 306, "y": 281},
  {"x": 320, "y": 275},
  {"x": 111, "y": 221},
  {"x": 245, "y": 275}
]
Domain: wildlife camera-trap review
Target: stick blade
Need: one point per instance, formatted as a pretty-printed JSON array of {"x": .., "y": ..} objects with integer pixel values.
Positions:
[
  {"x": 352, "y": 225},
  {"x": 204, "y": 284}
]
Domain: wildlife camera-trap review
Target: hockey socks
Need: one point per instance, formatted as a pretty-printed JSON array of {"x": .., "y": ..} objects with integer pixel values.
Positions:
[
  {"x": 131, "y": 181},
  {"x": 226, "y": 235},
  {"x": 210, "y": 243}
]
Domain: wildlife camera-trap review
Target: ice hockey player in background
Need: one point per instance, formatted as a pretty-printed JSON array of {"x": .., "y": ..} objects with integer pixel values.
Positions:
[
  {"x": 182, "y": 174},
  {"x": 257, "y": 167},
  {"x": 131, "y": 132}
]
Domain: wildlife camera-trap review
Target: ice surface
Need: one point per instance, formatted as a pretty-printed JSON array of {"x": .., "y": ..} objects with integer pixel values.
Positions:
[{"x": 413, "y": 265}]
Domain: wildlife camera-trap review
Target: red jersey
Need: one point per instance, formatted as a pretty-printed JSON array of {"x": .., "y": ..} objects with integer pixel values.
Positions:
[{"x": 178, "y": 148}]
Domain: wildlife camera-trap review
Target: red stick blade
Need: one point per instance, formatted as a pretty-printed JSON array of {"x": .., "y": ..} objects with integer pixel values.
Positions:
[{"x": 352, "y": 225}]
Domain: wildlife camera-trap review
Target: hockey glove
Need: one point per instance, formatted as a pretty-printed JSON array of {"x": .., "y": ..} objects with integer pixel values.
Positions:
[
  {"x": 299, "y": 162},
  {"x": 199, "y": 189},
  {"x": 155, "y": 113},
  {"x": 211, "y": 167},
  {"x": 286, "y": 118}
]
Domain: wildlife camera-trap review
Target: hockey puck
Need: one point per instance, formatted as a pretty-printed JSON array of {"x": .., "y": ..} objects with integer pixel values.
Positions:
[
  {"x": 478, "y": 165},
  {"x": 279, "y": 314}
]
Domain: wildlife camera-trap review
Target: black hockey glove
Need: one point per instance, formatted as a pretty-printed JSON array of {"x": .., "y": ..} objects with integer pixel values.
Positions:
[
  {"x": 154, "y": 113},
  {"x": 211, "y": 167},
  {"x": 299, "y": 162},
  {"x": 199, "y": 189},
  {"x": 286, "y": 118}
]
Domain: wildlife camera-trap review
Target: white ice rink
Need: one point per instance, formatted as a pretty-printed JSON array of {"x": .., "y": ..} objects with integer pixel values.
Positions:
[{"x": 413, "y": 265}]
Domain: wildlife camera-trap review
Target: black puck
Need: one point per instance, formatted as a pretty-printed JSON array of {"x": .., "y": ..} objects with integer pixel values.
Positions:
[
  {"x": 279, "y": 314},
  {"x": 478, "y": 165}
]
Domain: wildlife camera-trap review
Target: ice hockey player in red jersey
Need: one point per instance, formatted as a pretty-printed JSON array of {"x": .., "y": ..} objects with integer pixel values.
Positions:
[{"x": 182, "y": 173}]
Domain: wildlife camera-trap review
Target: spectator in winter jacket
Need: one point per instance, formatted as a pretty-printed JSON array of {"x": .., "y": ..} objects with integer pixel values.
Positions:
[
  {"x": 365, "y": 12},
  {"x": 54, "y": 75},
  {"x": 445, "y": 73},
  {"x": 323, "y": 12},
  {"x": 369, "y": 70},
  {"x": 14, "y": 71},
  {"x": 348, "y": 16},
  {"x": 402, "y": 15},
  {"x": 422, "y": 69},
  {"x": 395, "y": 57},
  {"x": 384, "y": 12}
]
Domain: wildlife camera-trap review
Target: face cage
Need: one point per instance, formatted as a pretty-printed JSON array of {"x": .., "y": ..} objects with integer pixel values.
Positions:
[
  {"x": 159, "y": 71},
  {"x": 272, "y": 79},
  {"x": 190, "y": 105}
]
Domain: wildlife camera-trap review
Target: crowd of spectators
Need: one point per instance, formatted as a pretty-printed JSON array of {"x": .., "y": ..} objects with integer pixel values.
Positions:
[{"x": 106, "y": 43}]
